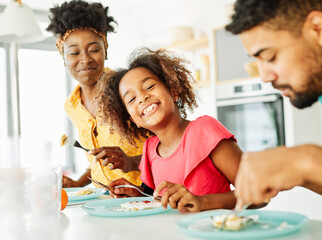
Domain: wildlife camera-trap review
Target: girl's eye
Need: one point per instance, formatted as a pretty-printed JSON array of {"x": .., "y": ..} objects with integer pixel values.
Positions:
[
  {"x": 150, "y": 87},
  {"x": 131, "y": 100},
  {"x": 272, "y": 59},
  {"x": 95, "y": 50},
  {"x": 73, "y": 53}
]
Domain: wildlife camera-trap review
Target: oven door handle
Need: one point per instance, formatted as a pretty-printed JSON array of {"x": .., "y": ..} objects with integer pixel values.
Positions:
[{"x": 240, "y": 101}]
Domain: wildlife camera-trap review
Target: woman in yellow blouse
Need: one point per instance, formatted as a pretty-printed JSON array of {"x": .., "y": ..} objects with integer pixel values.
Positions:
[{"x": 81, "y": 28}]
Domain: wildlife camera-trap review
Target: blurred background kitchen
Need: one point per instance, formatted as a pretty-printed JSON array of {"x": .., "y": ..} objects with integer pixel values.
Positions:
[{"x": 34, "y": 83}]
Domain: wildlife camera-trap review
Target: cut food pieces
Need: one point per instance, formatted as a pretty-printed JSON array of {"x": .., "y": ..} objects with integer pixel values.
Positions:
[
  {"x": 140, "y": 205},
  {"x": 233, "y": 222},
  {"x": 63, "y": 140}
]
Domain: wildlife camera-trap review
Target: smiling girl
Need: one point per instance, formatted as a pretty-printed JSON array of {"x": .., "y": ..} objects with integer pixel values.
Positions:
[{"x": 192, "y": 163}]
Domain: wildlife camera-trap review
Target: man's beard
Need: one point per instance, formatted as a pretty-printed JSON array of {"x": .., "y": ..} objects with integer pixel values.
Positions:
[
  {"x": 313, "y": 89},
  {"x": 305, "y": 99}
]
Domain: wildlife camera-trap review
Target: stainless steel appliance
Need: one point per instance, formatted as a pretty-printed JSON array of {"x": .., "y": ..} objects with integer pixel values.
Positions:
[
  {"x": 250, "y": 109},
  {"x": 253, "y": 112}
]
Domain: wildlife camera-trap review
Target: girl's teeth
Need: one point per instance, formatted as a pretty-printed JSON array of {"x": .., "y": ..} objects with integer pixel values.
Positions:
[{"x": 149, "y": 109}]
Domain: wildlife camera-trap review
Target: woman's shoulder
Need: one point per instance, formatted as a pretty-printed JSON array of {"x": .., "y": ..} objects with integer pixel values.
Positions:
[{"x": 74, "y": 96}]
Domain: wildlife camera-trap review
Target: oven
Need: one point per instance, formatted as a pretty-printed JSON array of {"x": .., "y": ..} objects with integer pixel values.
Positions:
[{"x": 253, "y": 112}]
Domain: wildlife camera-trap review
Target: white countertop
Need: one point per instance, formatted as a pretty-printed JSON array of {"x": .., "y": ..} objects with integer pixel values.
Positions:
[{"x": 78, "y": 225}]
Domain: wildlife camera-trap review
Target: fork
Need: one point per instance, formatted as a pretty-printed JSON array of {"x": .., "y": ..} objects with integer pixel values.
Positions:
[
  {"x": 75, "y": 143},
  {"x": 99, "y": 183},
  {"x": 236, "y": 212},
  {"x": 139, "y": 190}
]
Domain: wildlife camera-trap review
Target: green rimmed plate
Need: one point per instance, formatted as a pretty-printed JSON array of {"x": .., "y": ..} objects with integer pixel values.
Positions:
[
  {"x": 111, "y": 208},
  {"x": 271, "y": 224},
  {"x": 97, "y": 192}
]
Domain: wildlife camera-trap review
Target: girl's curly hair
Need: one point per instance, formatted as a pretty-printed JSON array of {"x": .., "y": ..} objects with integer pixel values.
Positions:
[
  {"x": 169, "y": 68},
  {"x": 80, "y": 14}
]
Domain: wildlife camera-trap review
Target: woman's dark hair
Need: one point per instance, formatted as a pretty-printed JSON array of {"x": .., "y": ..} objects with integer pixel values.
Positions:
[
  {"x": 80, "y": 14},
  {"x": 169, "y": 69},
  {"x": 274, "y": 14}
]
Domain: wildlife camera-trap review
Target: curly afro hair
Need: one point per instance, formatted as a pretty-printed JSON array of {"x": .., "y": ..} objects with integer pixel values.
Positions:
[
  {"x": 80, "y": 14},
  {"x": 274, "y": 14},
  {"x": 169, "y": 68}
]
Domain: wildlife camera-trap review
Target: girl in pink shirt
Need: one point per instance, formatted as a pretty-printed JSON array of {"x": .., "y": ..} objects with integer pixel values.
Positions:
[{"x": 191, "y": 163}]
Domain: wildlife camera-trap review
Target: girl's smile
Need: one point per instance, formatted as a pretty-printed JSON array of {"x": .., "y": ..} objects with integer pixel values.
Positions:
[{"x": 149, "y": 110}]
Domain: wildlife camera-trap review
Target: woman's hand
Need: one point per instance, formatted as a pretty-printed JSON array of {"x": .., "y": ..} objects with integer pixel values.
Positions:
[
  {"x": 123, "y": 192},
  {"x": 178, "y": 197},
  {"x": 68, "y": 182},
  {"x": 115, "y": 158}
]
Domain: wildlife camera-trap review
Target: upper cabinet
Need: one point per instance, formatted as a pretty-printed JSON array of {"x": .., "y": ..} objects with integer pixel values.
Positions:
[
  {"x": 191, "y": 44},
  {"x": 232, "y": 63},
  {"x": 195, "y": 48}
]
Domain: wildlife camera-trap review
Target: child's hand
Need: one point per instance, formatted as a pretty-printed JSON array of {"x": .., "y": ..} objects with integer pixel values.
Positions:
[
  {"x": 123, "y": 192},
  {"x": 178, "y": 197}
]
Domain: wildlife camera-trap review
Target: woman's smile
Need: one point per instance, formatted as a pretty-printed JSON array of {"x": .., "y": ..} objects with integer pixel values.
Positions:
[{"x": 90, "y": 69}]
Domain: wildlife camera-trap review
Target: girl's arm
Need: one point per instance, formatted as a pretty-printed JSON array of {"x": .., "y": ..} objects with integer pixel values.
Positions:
[{"x": 226, "y": 157}]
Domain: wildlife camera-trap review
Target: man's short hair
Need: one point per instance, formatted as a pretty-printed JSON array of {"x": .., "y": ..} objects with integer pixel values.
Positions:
[{"x": 274, "y": 14}]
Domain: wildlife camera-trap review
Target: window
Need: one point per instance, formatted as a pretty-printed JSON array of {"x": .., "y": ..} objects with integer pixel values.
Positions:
[
  {"x": 42, "y": 87},
  {"x": 3, "y": 94}
]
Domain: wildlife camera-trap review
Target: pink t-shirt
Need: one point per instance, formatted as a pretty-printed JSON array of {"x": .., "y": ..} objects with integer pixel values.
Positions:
[{"x": 190, "y": 163}]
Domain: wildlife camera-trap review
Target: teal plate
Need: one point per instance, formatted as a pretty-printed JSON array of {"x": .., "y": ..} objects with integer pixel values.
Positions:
[
  {"x": 270, "y": 224},
  {"x": 97, "y": 192},
  {"x": 111, "y": 208}
]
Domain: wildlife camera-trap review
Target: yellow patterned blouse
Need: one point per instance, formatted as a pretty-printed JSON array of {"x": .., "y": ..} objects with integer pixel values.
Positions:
[{"x": 86, "y": 125}]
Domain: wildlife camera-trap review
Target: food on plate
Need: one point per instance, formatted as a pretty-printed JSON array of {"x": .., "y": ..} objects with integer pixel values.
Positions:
[
  {"x": 140, "y": 205},
  {"x": 233, "y": 222},
  {"x": 64, "y": 200},
  {"x": 83, "y": 191},
  {"x": 63, "y": 140}
]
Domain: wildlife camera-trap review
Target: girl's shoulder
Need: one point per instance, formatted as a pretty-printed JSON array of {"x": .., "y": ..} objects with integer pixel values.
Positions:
[
  {"x": 151, "y": 142},
  {"x": 208, "y": 126},
  {"x": 206, "y": 121}
]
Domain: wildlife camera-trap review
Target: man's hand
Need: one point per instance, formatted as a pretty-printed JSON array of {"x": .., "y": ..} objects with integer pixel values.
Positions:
[
  {"x": 115, "y": 158},
  {"x": 123, "y": 192},
  {"x": 178, "y": 197},
  {"x": 262, "y": 175}
]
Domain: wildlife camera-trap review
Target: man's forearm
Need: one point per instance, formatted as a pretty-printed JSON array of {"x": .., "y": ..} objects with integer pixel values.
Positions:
[{"x": 313, "y": 179}]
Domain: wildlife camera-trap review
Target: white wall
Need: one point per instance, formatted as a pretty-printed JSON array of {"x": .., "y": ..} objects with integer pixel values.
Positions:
[{"x": 149, "y": 23}]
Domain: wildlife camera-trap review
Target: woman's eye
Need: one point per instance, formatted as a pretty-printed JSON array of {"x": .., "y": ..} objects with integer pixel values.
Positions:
[
  {"x": 95, "y": 50},
  {"x": 73, "y": 53}
]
